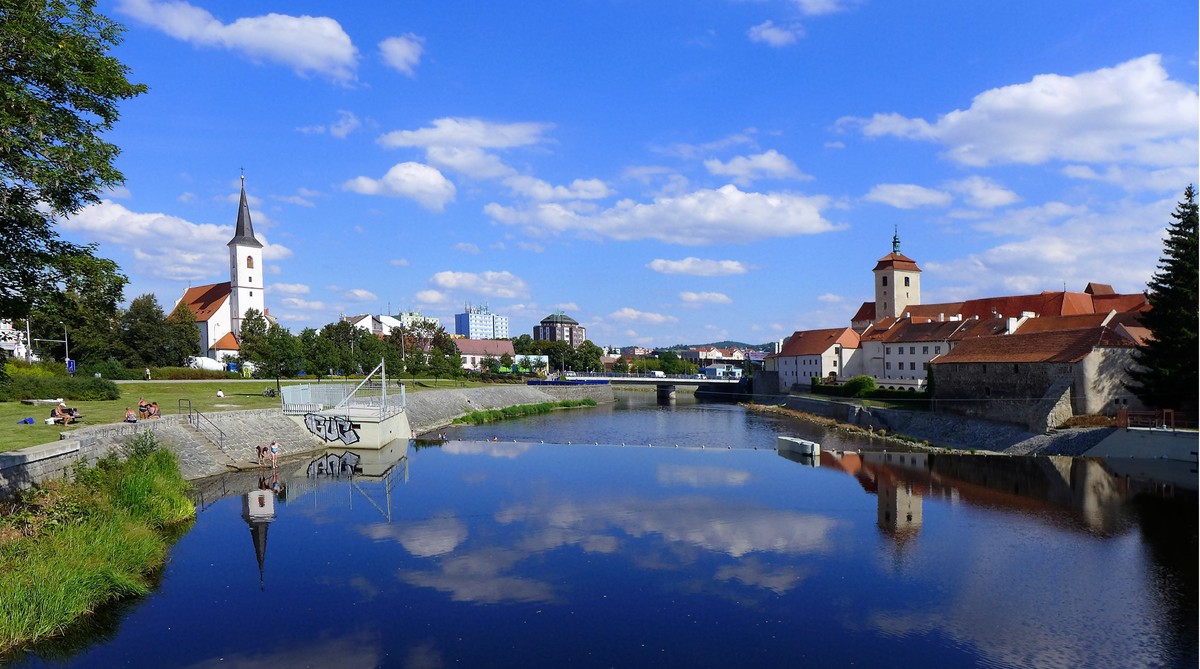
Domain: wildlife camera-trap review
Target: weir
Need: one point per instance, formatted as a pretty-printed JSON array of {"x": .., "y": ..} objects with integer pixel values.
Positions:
[{"x": 363, "y": 416}]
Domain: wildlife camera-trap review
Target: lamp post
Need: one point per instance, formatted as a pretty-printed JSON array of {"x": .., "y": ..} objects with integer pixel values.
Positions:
[{"x": 66, "y": 343}]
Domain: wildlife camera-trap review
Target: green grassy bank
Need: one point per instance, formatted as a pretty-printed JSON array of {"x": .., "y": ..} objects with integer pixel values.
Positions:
[
  {"x": 67, "y": 548},
  {"x": 493, "y": 415}
]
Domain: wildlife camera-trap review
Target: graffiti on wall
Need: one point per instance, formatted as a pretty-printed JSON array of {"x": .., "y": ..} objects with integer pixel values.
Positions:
[
  {"x": 333, "y": 465},
  {"x": 331, "y": 428}
]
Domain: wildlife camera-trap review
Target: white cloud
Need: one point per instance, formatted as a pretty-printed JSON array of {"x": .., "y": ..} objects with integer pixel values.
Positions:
[
  {"x": 829, "y": 298},
  {"x": 346, "y": 123},
  {"x": 532, "y": 247},
  {"x": 468, "y": 132},
  {"x": 403, "y": 53},
  {"x": 297, "y": 303},
  {"x": 697, "y": 218},
  {"x": 467, "y": 247},
  {"x": 704, "y": 298},
  {"x": 294, "y": 199},
  {"x": 360, "y": 295},
  {"x": 306, "y": 44},
  {"x": 694, "y": 476},
  {"x": 697, "y": 151},
  {"x": 908, "y": 196},
  {"x": 696, "y": 267},
  {"x": 817, "y": 7},
  {"x": 983, "y": 193},
  {"x": 398, "y": 262},
  {"x": 746, "y": 169},
  {"x": 1056, "y": 244},
  {"x": 1134, "y": 178},
  {"x": 431, "y": 297},
  {"x": 415, "y": 181},
  {"x": 1130, "y": 113},
  {"x": 289, "y": 288},
  {"x": 630, "y": 315},
  {"x": 166, "y": 247},
  {"x": 187, "y": 197},
  {"x": 468, "y": 160},
  {"x": 536, "y": 189},
  {"x": 772, "y": 35},
  {"x": 490, "y": 284}
]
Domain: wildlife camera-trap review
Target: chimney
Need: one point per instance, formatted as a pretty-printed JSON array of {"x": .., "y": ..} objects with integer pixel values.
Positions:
[{"x": 941, "y": 317}]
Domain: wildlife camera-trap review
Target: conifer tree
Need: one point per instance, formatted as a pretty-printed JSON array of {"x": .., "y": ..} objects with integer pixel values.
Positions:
[{"x": 1167, "y": 372}]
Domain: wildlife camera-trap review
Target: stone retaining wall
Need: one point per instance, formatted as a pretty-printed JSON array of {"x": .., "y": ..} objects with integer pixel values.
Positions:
[{"x": 199, "y": 457}]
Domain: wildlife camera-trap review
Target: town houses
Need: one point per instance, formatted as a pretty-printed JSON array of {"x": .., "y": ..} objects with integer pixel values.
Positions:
[{"x": 1021, "y": 357}]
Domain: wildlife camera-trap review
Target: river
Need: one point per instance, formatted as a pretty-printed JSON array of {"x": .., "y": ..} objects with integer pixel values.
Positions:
[{"x": 634, "y": 535}]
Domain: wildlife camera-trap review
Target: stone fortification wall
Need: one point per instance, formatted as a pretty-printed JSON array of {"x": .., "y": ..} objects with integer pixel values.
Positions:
[{"x": 430, "y": 410}]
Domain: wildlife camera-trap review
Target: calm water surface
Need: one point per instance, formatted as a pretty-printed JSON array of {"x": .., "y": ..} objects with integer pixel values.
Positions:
[{"x": 519, "y": 553}]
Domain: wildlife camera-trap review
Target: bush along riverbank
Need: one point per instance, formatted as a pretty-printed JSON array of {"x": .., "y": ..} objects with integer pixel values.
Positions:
[
  {"x": 494, "y": 415},
  {"x": 67, "y": 548}
]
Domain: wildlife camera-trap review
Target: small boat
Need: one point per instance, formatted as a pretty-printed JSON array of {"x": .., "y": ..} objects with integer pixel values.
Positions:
[{"x": 798, "y": 445}]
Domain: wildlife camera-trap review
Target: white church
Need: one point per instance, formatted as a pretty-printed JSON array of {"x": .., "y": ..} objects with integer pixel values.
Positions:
[{"x": 219, "y": 307}]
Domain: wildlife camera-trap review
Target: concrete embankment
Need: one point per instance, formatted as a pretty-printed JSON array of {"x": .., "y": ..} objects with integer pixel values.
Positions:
[
  {"x": 964, "y": 433},
  {"x": 200, "y": 457}
]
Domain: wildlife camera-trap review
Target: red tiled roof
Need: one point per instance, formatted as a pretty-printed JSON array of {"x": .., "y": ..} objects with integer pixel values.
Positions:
[
  {"x": 865, "y": 313},
  {"x": 1099, "y": 289},
  {"x": 897, "y": 261},
  {"x": 1059, "y": 346},
  {"x": 485, "y": 347},
  {"x": 816, "y": 342},
  {"x": 1053, "y": 323},
  {"x": 228, "y": 342},
  {"x": 205, "y": 300},
  {"x": 1121, "y": 303},
  {"x": 1049, "y": 303}
]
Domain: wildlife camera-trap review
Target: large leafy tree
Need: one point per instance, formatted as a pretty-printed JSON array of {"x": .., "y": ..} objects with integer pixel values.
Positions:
[
  {"x": 183, "y": 337},
  {"x": 145, "y": 333},
  {"x": 59, "y": 93},
  {"x": 1166, "y": 376}
]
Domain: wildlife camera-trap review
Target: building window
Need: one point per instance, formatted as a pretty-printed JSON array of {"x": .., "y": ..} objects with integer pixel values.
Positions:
[
  {"x": 252, "y": 293},
  {"x": 884, "y": 281},
  {"x": 835, "y": 363},
  {"x": 249, "y": 262},
  {"x": 887, "y": 350},
  {"x": 912, "y": 350},
  {"x": 906, "y": 281},
  {"x": 937, "y": 349},
  {"x": 924, "y": 350},
  {"x": 912, "y": 365},
  {"x": 985, "y": 368},
  {"x": 1015, "y": 369}
]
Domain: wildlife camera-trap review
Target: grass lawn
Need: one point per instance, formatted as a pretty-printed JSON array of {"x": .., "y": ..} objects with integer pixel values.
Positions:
[{"x": 202, "y": 394}]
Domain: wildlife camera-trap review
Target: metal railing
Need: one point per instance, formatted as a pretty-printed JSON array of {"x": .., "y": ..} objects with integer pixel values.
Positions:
[{"x": 204, "y": 425}]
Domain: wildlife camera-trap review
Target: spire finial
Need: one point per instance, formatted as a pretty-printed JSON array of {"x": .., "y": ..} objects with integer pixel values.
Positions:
[{"x": 896, "y": 239}]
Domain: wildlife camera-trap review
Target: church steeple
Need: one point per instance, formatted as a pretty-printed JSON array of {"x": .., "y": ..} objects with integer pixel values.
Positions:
[
  {"x": 243, "y": 233},
  {"x": 895, "y": 238}
]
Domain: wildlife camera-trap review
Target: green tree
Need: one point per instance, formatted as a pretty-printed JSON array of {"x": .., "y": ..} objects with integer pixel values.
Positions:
[
  {"x": 524, "y": 345},
  {"x": 318, "y": 353},
  {"x": 182, "y": 337},
  {"x": 273, "y": 351},
  {"x": 506, "y": 362},
  {"x": 144, "y": 332},
  {"x": 87, "y": 301},
  {"x": 59, "y": 94},
  {"x": 587, "y": 358},
  {"x": 1166, "y": 375}
]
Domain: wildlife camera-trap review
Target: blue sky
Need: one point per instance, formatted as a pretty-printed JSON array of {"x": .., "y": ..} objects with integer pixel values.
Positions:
[{"x": 664, "y": 172}]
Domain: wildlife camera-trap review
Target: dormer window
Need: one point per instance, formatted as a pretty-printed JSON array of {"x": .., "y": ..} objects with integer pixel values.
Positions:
[{"x": 249, "y": 262}]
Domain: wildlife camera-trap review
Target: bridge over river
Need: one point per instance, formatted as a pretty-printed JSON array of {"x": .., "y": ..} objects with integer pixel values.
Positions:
[{"x": 665, "y": 385}]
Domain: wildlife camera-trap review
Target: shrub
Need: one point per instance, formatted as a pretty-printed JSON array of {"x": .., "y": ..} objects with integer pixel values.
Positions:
[
  {"x": 88, "y": 389},
  {"x": 859, "y": 386}
]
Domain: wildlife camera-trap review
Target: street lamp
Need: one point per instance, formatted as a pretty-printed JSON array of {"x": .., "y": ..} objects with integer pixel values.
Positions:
[{"x": 66, "y": 344}]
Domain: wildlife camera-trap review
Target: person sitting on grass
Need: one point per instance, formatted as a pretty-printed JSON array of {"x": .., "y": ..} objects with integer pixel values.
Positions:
[
  {"x": 153, "y": 411},
  {"x": 130, "y": 415}
]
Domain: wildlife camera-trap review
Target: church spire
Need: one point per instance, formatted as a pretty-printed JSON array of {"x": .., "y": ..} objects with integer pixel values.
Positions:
[
  {"x": 896, "y": 239},
  {"x": 244, "y": 232}
]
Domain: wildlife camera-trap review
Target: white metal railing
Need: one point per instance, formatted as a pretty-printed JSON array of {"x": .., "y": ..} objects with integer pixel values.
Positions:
[{"x": 307, "y": 398}]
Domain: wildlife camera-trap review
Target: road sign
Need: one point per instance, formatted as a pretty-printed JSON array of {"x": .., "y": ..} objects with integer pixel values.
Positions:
[{"x": 70, "y": 366}]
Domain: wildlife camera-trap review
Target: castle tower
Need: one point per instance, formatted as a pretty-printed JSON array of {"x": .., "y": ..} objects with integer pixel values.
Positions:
[
  {"x": 897, "y": 282},
  {"x": 245, "y": 268}
]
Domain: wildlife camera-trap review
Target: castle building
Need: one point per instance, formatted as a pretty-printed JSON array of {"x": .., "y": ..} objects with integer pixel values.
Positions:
[
  {"x": 220, "y": 307},
  {"x": 897, "y": 282}
]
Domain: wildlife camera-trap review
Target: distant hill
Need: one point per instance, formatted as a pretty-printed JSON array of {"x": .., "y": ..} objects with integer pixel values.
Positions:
[{"x": 725, "y": 344}]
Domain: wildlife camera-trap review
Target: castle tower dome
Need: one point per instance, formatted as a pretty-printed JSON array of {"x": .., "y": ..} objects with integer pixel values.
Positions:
[
  {"x": 246, "y": 290},
  {"x": 897, "y": 282}
]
